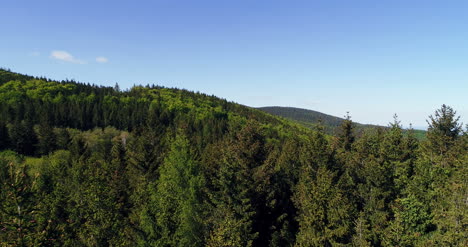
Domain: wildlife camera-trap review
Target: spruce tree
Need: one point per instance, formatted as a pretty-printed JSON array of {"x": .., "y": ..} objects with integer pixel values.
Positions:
[
  {"x": 47, "y": 140},
  {"x": 23, "y": 137},
  {"x": 18, "y": 204},
  {"x": 178, "y": 201},
  {"x": 323, "y": 211},
  {"x": 4, "y": 137},
  {"x": 346, "y": 133},
  {"x": 236, "y": 198},
  {"x": 63, "y": 138},
  {"x": 444, "y": 129},
  {"x": 232, "y": 214},
  {"x": 439, "y": 179},
  {"x": 361, "y": 232}
]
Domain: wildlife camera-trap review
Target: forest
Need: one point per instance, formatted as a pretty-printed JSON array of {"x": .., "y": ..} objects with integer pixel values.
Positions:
[
  {"x": 88, "y": 165},
  {"x": 331, "y": 124}
]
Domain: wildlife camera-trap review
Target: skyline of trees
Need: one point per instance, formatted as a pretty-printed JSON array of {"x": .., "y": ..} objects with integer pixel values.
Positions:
[{"x": 82, "y": 165}]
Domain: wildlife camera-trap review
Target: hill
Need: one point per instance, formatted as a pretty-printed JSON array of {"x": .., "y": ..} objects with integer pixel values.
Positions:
[
  {"x": 304, "y": 116},
  {"x": 89, "y": 165},
  {"x": 310, "y": 118},
  {"x": 84, "y": 106}
]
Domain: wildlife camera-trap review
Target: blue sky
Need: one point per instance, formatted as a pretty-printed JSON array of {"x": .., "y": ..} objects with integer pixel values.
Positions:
[{"x": 371, "y": 58}]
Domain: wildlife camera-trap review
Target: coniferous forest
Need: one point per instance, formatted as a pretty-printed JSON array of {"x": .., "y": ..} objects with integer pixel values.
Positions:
[{"x": 87, "y": 165}]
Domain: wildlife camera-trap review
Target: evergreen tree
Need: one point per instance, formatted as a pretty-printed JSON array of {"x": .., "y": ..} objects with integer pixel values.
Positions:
[
  {"x": 361, "y": 235},
  {"x": 235, "y": 197},
  {"x": 323, "y": 210},
  {"x": 63, "y": 139},
  {"x": 281, "y": 209},
  {"x": 117, "y": 88},
  {"x": 47, "y": 140},
  {"x": 259, "y": 181},
  {"x": 232, "y": 213},
  {"x": 374, "y": 181},
  {"x": 411, "y": 220},
  {"x": 119, "y": 190},
  {"x": 18, "y": 204},
  {"x": 53, "y": 193},
  {"x": 443, "y": 130},
  {"x": 178, "y": 200},
  {"x": 146, "y": 153},
  {"x": 23, "y": 137},
  {"x": 438, "y": 179},
  {"x": 450, "y": 207},
  {"x": 4, "y": 137},
  {"x": 404, "y": 169},
  {"x": 345, "y": 135}
]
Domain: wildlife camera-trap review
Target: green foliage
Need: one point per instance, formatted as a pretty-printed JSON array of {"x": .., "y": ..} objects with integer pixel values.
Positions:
[
  {"x": 411, "y": 221},
  {"x": 443, "y": 130},
  {"x": 154, "y": 166},
  {"x": 310, "y": 119},
  {"x": 235, "y": 197},
  {"x": 362, "y": 233},
  {"x": 47, "y": 140},
  {"x": 346, "y": 135},
  {"x": 323, "y": 210},
  {"x": 4, "y": 136},
  {"x": 23, "y": 138},
  {"x": 177, "y": 202},
  {"x": 18, "y": 207}
]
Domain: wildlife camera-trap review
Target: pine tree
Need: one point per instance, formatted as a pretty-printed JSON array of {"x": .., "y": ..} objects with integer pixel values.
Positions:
[
  {"x": 23, "y": 137},
  {"x": 443, "y": 130},
  {"x": 118, "y": 189},
  {"x": 374, "y": 182},
  {"x": 361, "y": 232},
  {"x": 404, "y": 170},
  {"x": 63, "y": 139},
  {"x": 117, "y": 88},
  {"x": 178, "y": 201},
  {"x": 47, "y": 140},
  {"x": 54, "y": 191},
  {"x": 323, "y": 211},
  {"x": 345, "y": 135},
  {"x": 411, "y": 220},
  {"x": 393, "y": 158},
  {"x": 450, "y": 207},
  {"x": 232, "y": 214},
  {"x": 18, "y": 205},
  {"x": 282, "y": 166},
  {"x": 146, "y": 153},
  {"x": 438, "y": 181},
  {"x": 235, "y": 195},
  {"x": 4, "y": 137}
]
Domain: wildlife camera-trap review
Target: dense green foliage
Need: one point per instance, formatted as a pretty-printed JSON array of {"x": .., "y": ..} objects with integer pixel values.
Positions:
[
  {"x": 83, "y": 165},
  {"x": 310, "y": 119}
]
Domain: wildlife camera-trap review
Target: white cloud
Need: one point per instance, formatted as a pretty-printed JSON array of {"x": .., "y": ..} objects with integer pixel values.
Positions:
[
  {"x": 65, "y": 56},
  {"x": 35, "y": 53},
  {"x": 102, "y": 60}
]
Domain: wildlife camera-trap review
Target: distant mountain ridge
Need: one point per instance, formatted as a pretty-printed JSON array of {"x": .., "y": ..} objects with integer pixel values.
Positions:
[
  {"x": 303, "y": 115},
  {"x": 310, "y": 119}
]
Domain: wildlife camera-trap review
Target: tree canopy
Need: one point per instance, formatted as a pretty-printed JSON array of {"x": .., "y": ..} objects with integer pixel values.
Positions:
[{"x": 86, "y": 165}]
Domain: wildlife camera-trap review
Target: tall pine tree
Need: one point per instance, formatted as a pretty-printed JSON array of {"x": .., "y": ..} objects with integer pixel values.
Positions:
[{"x": 177, "y": 203}]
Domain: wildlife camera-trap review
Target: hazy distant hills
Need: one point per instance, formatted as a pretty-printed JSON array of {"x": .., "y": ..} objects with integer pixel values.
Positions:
[{"x": 310, "y": 118}]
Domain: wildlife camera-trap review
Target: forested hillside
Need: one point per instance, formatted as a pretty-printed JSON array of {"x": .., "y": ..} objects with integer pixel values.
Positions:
[
  {"x": 86, "y": 165},
  {"x": 310, "y": 119},
  {"x": 307, "y": 117}
]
